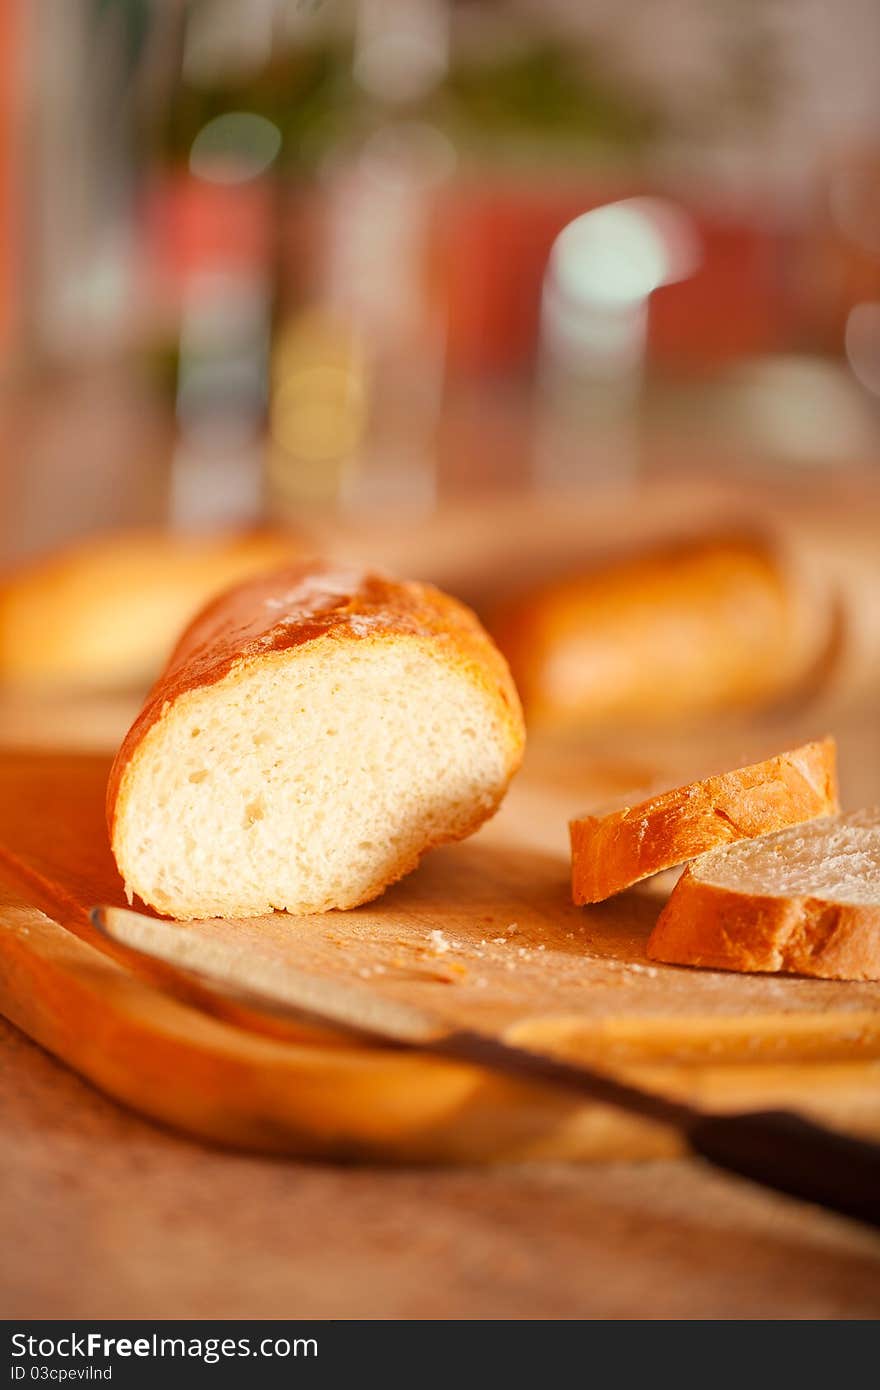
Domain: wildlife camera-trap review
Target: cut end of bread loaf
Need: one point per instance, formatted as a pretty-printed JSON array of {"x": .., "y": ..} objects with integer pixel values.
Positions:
[
  {"x": 613, "y": 851},
  {"x": 321, "y": 765},
  {"x": 804, "y": 901}
]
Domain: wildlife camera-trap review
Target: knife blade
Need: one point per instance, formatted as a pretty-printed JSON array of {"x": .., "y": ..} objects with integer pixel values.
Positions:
[{"x": 776, "y": 1148}]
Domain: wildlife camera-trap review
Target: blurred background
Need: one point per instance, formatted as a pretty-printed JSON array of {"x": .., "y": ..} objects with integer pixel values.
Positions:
[{"x": 504, "y": 293}]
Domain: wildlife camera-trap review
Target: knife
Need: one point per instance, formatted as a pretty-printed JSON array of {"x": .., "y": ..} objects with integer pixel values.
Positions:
[{"x": 778, "y": 1149}]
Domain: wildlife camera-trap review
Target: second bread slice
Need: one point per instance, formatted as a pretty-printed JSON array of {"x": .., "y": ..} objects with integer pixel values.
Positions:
[
  {"x": 806, "y": 900},
  {"x": 613, "y": 851}
]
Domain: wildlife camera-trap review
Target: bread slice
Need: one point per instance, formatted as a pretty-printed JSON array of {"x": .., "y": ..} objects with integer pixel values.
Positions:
[
  {"x": 315, "y": 732},
  {"x": 613, "y": 851},
  {"x": 805, "y": 900},
  {"x": 104, "y": 613}
]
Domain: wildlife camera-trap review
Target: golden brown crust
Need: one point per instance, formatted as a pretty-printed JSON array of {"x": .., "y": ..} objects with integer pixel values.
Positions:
[
  {"x": 612, "y": 852},
  {"x": 704, "y": 624},
  {"x": 706, "y": 925},
  {"x": 288, "y": 608}
]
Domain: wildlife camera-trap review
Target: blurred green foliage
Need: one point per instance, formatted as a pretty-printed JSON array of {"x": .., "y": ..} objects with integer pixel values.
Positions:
[
  {"x": 546, "y": 92},
  {"x": 541, "y": 97}
]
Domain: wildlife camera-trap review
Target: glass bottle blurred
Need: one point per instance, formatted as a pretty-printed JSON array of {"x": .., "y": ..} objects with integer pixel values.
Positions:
[
  {"x": 298, "y": 174},
  {"x": 602, "y": 270},
  {"x": 85, "y": 431},
  {"x": 358, "y": 360}
]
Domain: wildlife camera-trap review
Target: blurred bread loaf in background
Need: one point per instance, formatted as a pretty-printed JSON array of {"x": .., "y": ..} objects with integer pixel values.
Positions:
[
  {"x": 657, "y": 608},
  {"x": 103, "y": 613},
  {"x": 681, "y": 629},
  {"x": 681, "y": 600}
]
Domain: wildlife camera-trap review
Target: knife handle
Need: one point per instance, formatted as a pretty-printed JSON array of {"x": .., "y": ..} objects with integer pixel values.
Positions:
[{"x": 784, "y": 1151}]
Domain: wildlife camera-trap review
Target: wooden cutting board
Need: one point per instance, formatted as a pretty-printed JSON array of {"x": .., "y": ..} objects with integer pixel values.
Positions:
[{"x": 483, "y": 932}]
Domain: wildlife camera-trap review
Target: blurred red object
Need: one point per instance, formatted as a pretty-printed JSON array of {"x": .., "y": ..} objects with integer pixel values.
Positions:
[
  {"x": 194, "y": 225},
  {"x": 12, "y": 66},
  {"x": 488, "y": 253},
  {"x": 735, "y": 306},
  {"x": 491, "y": 247},
  {"x": 838, "y": 263}
]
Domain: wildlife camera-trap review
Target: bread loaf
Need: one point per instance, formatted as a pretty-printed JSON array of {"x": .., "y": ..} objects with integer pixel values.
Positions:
[
  {"x": 103, "y": 613},
  {"x": 614, "y": 850},
  {"x": 314, "y": 733},
  {"x": 806, "y": 900},
  {"x": 687, "y": 629}
]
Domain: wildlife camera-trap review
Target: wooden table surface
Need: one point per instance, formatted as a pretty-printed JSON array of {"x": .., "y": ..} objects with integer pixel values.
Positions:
[{"x": 104, "y": 1215}]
